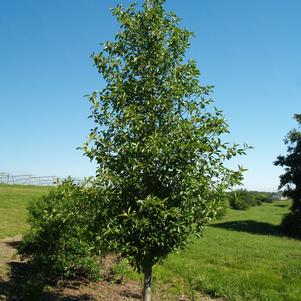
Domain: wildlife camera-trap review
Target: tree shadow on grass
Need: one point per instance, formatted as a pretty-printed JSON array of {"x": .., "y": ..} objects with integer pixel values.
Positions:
[
  {"x": 282, "y": 205},
  {"x": 22, "y": 284},
  {"x": 251, "y": 226}
]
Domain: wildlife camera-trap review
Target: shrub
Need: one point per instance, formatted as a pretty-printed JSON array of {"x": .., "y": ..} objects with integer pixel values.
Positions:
[
  {"x": 62, "y": 240},
  {"x": 263, "y": 197},
  {"x": 237, "y": 202},
  {"x": 242, "y": 199}
]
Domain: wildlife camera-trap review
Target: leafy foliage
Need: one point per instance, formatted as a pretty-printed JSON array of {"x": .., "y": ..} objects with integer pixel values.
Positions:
[
  {"x": 243, "y": 199},
  {"x": 264, "y": 197},
  {"x": 157, "y": 138},
  {"x": 222, "y": 209},
  {"x": 291, "y": 179},
  {"x": 63, "y": 237},
  {"x": 239, "y": 200}
]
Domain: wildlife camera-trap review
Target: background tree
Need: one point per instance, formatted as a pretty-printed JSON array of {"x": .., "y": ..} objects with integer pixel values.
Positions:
[
  {"x": 157, "y": 139},
  {"x": 291, "y": 179}
]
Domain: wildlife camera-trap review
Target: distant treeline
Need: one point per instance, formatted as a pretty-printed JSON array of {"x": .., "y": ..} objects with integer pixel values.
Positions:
[{"x": 243, "y": 199}]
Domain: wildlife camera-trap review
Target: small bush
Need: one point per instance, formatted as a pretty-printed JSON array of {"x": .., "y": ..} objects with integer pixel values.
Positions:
[
  {"x": 64, "y": 226},
  {"x": 238, "y": 200},
  {"x": 264, "y": 197}
]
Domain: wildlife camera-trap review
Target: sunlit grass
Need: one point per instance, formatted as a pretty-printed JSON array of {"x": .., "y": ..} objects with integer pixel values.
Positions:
[
  {"x": 13, "y": 202},
  {"x": 243, "y": 257}
]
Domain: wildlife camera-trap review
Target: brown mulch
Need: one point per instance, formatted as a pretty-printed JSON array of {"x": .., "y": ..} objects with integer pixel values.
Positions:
[{"x": 14, "y": 274}]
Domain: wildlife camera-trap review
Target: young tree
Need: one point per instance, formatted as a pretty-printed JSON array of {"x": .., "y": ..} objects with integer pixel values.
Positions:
[
  {"x": 291, "y": 179},
  {"x": 157, "y": 139}
]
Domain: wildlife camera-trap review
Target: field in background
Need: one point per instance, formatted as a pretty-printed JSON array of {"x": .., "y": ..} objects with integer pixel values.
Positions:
[
  {"x": 242, "y": 257},
  {"x": 13, "y": 202}
]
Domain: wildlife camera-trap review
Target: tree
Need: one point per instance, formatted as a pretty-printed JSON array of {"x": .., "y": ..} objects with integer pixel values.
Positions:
[
  {"x": 291, "y": 179},
  {"x": 157, "y": 139}
]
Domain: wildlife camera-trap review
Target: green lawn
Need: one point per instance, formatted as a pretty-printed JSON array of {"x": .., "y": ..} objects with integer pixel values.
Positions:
[
  {"x": 13, "y": 201},
  {"x": 242, "y": 257}
]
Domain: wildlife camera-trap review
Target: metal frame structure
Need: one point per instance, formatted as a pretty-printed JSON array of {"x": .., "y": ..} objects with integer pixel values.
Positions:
[{"x": 9, "y": 179}]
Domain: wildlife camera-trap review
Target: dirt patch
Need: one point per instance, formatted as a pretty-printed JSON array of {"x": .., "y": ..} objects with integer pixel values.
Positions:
[
  {"x": 16, "y": 283},
  {"x": 101, "y": 290},
  {"x": 7, "y": 254},
  {"x": 127, "y": 291}
]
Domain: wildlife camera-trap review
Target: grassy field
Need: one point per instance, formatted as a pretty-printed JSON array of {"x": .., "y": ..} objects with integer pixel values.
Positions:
[
  {"x": 13, "y": 201},
  {"x": 242, "y": 257}
]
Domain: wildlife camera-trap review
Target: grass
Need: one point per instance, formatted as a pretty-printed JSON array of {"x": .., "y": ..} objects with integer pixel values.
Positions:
[
  {"x": 13, "y": 202},
  {"x": 243, "y": 257}
]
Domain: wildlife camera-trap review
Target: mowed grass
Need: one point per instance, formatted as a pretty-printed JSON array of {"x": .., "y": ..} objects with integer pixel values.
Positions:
[
  {"x": 13, "y": 202},
  {"x": 242, "y": 257}
]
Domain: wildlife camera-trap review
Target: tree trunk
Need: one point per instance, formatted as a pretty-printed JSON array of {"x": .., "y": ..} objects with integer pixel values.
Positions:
[{"x": 147, "y": 294}]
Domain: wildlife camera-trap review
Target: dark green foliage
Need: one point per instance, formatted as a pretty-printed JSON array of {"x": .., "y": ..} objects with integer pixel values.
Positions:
[
  {"x": 291, "y": 223},
  {"x": 62, "y": 240},
  {"x": 243, "y": 199},
  {"x": 235, "y": 202},
  {"x": 157, "y": 138},
  {"x": 240, "y": 200},
  {"x": 263, "y": 197},
  {"x": 291, "y": 179}
]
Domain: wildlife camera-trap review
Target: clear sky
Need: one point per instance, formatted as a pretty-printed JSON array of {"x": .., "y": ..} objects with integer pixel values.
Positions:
[{"x": 249, "y": 50}]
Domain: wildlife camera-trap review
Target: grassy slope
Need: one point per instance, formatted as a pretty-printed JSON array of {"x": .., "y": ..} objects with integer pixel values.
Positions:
[
  {"x": 243, "y": 257},
  {"x": 13, "y": 201}
]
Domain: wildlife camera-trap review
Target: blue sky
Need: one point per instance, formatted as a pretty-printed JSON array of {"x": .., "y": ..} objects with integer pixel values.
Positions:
[{"x": 249, "y": 50}]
